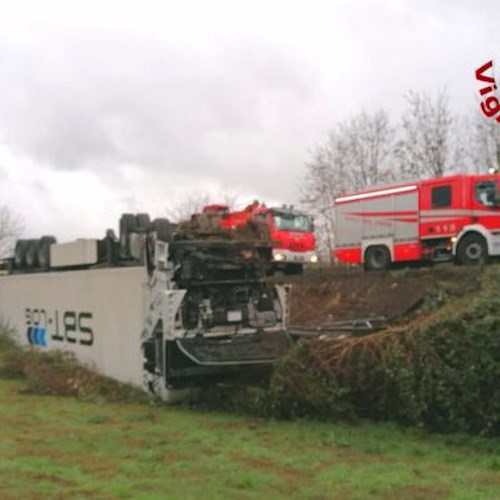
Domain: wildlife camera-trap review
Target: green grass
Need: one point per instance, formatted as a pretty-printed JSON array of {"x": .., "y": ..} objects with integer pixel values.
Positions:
[
  {"x": 66, "y": 447},
  {"x": 61, "y": 447}
]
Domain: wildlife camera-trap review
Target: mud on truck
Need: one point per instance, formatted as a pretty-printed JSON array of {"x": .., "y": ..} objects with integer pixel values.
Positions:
[
  {"x": 168, "y": 308},
  {"x": 291, "y": 232}
]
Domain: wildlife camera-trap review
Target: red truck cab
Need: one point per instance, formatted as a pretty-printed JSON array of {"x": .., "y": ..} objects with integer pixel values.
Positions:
[{"x": 291, "y": 232}]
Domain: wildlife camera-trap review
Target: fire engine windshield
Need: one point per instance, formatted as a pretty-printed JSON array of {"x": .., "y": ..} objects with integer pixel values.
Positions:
[
  {"x": 486, "y": 193},
  {"x": 291, "y": 222}
]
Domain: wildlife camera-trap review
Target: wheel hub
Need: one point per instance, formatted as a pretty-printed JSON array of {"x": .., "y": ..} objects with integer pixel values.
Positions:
[{"x": 474, "y": 251}]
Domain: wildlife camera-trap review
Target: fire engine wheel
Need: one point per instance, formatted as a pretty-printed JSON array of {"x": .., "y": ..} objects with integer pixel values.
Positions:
[
  {"x": 377, "y": 258},
  {"x": 472, "y": 250}
]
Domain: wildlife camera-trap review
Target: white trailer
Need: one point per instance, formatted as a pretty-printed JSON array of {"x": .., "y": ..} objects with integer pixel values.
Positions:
[
  {"x": 96, "y": 314},
  {"x": 176, "y": 315}
]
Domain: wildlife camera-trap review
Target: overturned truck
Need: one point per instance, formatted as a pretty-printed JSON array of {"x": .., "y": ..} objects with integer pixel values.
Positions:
[{"x": 162, "y": 307}]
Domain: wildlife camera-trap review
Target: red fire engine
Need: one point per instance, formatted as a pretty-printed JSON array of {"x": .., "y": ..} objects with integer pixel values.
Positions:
[
  {"x": 291, "y": 232},
  {"x": 455, "y": 217}
]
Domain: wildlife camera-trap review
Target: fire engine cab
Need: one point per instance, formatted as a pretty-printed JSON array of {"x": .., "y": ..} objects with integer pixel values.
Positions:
[{"x": 444, "y": 218}]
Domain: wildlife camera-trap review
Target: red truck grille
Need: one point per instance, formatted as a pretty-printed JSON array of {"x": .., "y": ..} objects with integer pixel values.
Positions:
[{"x": 297, "y": 246}]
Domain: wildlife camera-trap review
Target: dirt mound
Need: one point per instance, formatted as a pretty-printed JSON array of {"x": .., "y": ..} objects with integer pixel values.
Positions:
[{"x": 322, "y": 296}]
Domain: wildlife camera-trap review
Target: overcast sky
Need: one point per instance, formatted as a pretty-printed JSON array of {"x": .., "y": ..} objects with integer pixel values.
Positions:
[{"x": 108, "y": 107}]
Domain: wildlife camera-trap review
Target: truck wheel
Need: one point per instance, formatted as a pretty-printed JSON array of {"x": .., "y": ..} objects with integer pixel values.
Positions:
[
  {"x": 472, "y": 250},
  {"x": 163, "y": 230},
  {"x": 43, "y": 251},
  {"x": 377, "y": 258},
  {"x": 128, "y": 224},
  {"x": 143, "y": 222},
  {"x": 20, "y": 254},
  {"x": 32, "y": 254}
]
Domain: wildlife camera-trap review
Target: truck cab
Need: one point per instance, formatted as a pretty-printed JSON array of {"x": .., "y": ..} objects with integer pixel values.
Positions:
[
  {"x": 293, "y": 239},
  {"x": 461, "y": 214}
]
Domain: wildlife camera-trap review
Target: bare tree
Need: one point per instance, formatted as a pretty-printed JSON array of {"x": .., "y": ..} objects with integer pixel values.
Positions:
[
  {"x": 463, "y": 145},
  {"x": 322, "y": 184},
  {"x": 356, "y": 155},
  {"x": 485, "y": 147},
  {"x": 423, "y": 148},
  {"x": 11, "y": 227},
  {"x": 367, "y": 148}
]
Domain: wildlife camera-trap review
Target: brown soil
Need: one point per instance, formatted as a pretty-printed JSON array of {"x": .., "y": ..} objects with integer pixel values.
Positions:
[{"x": 326, "y": 295}]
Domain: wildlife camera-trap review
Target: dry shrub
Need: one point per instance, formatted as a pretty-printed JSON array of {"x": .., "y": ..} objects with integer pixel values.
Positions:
[
  {"x": 53, "y": 372},
  {"x": 58, "y": 373},
  {"x": 443, "y": 373},
  {"x": 10, "y": 355}
]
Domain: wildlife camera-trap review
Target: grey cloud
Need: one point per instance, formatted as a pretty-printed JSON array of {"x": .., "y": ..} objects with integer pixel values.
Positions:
[
  {"x": 136, "y": 102},
  {"x": 240, "y": 109}
]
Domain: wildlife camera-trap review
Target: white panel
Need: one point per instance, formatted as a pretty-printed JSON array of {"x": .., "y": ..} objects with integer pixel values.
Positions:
[
  {"x": 76, "y": 253},
  {"x": 348, "y": 227},
  {"x": 362, "y": 218},
  {"x": 72, "y": 309}
]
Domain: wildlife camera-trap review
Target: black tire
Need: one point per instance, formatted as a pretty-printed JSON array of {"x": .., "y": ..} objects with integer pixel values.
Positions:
[
  {"x": 32, "y": 254},
  {"x": 43, "y": 251},
  {"x": 472, "y": 250},
  {"x": 293, "y": 269},
  {"x": 377, "y": 258},
  {"x": 163, "y": 230},
  {"x": 128, "y": 224},
  {"x": 150, "y": 253},
  {"x": 143, "y": 222},
  {"x": 20, "y": 254}
]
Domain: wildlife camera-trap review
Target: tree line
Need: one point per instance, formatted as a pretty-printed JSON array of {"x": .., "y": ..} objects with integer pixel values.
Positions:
[{"x": 367, "y": 149}]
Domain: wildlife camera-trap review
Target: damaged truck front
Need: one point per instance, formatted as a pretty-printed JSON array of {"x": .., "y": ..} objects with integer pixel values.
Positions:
[{"x": 212, "y": 314}]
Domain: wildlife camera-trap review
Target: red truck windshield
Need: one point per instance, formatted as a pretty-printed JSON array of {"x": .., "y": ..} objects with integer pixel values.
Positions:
[
  {"x": 291, "y": 222},
  {"x": 485, "y": 192}
]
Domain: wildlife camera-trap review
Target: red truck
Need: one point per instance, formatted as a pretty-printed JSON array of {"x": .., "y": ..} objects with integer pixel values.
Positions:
[
  {"x": 444, "y": 218},
  {"x": 291, "y": 232}
]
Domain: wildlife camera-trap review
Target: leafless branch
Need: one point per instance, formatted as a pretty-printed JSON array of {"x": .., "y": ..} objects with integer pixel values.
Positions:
[{"x": 11, "y": 227}]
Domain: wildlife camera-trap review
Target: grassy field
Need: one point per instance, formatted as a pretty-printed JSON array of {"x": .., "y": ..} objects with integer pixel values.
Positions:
[{"x": 62, "y": 447}]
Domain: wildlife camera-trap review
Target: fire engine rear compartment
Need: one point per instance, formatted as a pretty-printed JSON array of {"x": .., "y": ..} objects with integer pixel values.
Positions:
[{"x": 383, "y": 217}]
